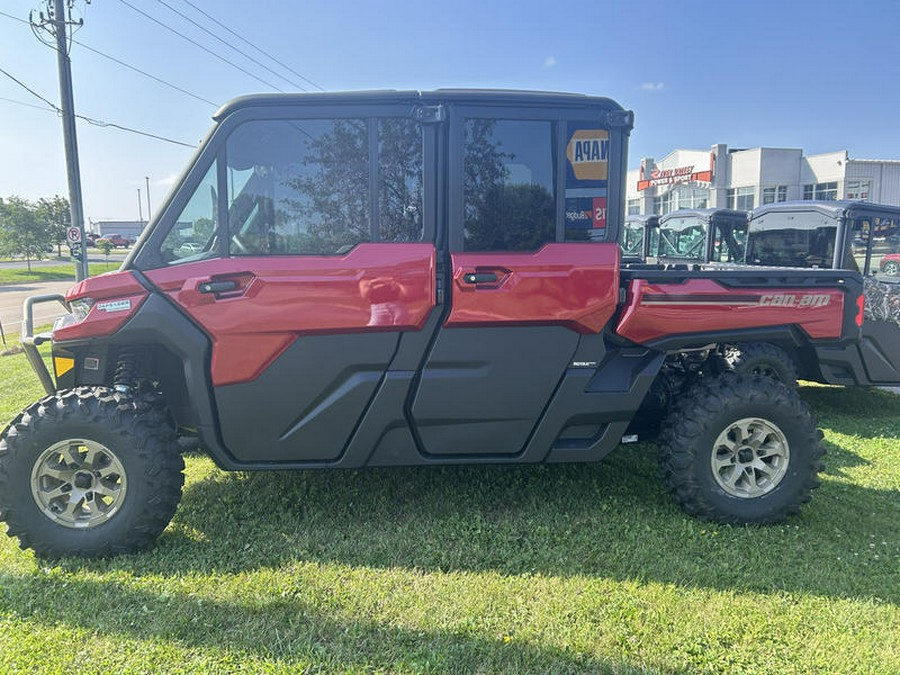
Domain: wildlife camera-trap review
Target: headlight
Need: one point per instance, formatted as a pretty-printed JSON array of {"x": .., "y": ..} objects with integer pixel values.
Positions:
[{"x": 80, "y": 308}]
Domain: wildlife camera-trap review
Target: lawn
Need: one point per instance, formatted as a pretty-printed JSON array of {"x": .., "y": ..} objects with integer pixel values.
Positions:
[
  {"x": 61, "y": 272},
  {"x": 544, "y": 569}
]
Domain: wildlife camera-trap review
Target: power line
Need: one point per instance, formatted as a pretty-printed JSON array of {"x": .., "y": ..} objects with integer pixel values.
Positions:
[
  {"x": 146, "y": 74},
  {"x": 14, "y": 18},
  {"x": 259, "y": 49},
  {"x": 126, "y": 65},
  {"x": 231, "y": 46},
  {"x": 90, "y": 120},
  {"x": 197, "y": 44},
  {"x": 28, "y": 105},
  {"x": 30, "y": 90},
  {"x": 101, "y": 123}
]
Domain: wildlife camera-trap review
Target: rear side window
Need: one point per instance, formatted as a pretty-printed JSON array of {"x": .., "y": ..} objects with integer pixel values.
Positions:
[
  {"x": 531, "y": 182},
  {"x": 510, "y": 196},
  {"x": 320, "y": 187}
]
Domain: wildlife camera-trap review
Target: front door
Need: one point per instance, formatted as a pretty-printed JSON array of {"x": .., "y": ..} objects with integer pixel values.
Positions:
[{"x": 305, "y": 252}]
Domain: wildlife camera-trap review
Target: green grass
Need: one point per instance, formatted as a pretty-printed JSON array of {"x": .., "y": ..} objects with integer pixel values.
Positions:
[
  {"x": 544, "y": 569},
  {"x": 61, "y": 272}
]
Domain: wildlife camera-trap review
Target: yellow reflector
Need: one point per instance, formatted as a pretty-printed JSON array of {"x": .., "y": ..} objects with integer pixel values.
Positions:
[{"x": 63, "y": 365}]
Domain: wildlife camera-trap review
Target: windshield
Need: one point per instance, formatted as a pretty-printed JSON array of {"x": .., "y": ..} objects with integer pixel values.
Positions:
[
  {"x": 683, "y": 238},
  {"x": 792, "y": 239}
]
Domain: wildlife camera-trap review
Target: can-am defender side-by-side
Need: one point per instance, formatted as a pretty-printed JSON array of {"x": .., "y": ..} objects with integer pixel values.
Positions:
[{"x": 405, "y": 278}]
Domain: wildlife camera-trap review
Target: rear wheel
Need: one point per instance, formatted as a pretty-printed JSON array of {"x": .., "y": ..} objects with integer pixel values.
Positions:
[
  {"x": 88, "y": 472},
  {"x": 891, "y": 268},
  {"x": 741, "y": 449},
  {"x": 760, "y": 358}
]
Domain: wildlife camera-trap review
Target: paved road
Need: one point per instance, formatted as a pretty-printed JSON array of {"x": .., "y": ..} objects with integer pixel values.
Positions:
[
  {"x": 114, "y": 256},
  {"x": 12, "y": 296}
]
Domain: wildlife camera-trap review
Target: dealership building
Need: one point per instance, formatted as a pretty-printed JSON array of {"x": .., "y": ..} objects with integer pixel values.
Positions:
[{"x": 723, "y": 177}]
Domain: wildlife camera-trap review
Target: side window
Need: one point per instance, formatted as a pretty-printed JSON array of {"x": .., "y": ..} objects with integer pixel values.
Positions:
[
  {"x": 885, "y": 263},
  {"x": 193, "y": 235},
  {"x": 306, "y": 186},
  {"x": 509, "y": 187},
  {"x": 729, "y": 242},
  {"x": 859, "y": 245},
  {"x": 633, "y": 239},
  {"x": 298, "y": 186}
]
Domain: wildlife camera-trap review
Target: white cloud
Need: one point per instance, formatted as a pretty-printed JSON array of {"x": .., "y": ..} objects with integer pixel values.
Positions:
[
  {"x": 653, "y": 86},
  {"x": 549, "y": 62}
]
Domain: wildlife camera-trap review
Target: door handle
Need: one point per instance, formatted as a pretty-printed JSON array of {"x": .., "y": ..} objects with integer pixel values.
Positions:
[
  {"x": 480, "y": 278},
  {"x": 225, "y": 286}
]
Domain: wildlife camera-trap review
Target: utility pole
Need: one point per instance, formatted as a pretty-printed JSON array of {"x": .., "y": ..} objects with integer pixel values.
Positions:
[
  {"x": 56, "y": 23},
  {"x": 149, "y": 217},
  {"x": 140, "y": 212}
]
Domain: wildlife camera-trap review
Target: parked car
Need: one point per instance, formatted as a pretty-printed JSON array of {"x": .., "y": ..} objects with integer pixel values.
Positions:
[
  {"x": 190, "y": 247},
  {"x": 890, "y": 264},
  {"x": 117, "y": 240}
]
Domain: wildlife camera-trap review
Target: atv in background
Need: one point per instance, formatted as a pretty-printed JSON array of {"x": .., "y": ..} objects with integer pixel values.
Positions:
[{"x": 842, "y": 235}]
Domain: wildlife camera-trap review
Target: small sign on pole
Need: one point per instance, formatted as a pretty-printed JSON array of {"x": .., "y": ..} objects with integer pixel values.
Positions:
[{"x": 73, "y": 235}]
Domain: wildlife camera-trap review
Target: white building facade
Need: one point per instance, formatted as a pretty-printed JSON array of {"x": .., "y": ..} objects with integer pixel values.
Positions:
[{"x": 744, "y": 179}]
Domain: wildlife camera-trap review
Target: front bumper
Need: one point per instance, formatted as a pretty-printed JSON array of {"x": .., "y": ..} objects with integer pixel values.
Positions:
[{"x": 31, "y": 342}]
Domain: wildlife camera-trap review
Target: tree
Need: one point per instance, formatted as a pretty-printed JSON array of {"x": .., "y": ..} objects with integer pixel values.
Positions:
[
  {"x": 22, "y": 231},
  {"x": 518, "y": 217},
  {"x": 106, "y": 246},
  {"x": 400, "y": 178},
  {"x": 331, "y": 195},
  {"x": 56, "y": 215}
]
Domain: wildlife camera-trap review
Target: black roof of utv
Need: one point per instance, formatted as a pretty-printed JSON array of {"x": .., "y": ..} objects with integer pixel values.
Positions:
[{"x": 456, "y": 96}]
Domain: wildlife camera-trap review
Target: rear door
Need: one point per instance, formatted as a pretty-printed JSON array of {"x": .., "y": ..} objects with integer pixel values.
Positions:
[
  {"x": 531, "y": 269},
  {"x": 305, "y": 250},
  {"x": 874, "y": 249}
]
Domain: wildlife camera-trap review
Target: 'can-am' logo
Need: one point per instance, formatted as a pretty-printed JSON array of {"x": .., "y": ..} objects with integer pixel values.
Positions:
[{"x": 790, "y": 300}]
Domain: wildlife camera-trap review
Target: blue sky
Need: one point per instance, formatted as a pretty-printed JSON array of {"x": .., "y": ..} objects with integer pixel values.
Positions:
[{"x": 821, "y": 76}]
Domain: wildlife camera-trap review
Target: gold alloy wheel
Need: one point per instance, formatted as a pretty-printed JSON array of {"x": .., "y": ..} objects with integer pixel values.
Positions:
[
  {"x": 750, "y": 458},
  {"x": 78, "y": 483}
]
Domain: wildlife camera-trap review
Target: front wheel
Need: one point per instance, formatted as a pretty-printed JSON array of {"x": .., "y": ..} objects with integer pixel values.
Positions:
[
  {"x": 741, "y": 449},
  {"x": 90, "y": 473}
]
